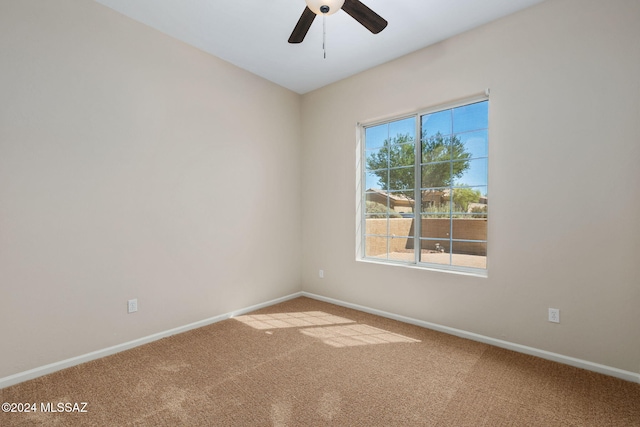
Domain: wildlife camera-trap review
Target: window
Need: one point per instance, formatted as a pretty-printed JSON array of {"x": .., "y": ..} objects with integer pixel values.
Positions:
[{"x": 424, "y": 188}]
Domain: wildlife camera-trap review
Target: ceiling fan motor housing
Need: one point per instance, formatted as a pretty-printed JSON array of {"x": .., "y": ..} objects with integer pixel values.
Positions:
[{"x": 325, "y": 7}]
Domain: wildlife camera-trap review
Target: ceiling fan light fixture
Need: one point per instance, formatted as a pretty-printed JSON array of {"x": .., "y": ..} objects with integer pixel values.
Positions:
[{"x": 317, "y": 6}]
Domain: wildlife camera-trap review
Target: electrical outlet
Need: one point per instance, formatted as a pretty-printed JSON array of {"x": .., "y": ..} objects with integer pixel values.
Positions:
[
  {"x": 132, "y": 305},
  {"x": 321, "y": 274},
  {"x": 554, "y": 315}
]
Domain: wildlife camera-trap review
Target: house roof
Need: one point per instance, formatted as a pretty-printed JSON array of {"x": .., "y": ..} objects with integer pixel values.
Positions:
[{"x": 393, "y": 196}]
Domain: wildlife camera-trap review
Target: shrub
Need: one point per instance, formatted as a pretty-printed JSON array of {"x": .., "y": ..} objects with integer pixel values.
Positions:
[
  {"x": 479, "y": 211},
  {"x": 378, "y": 210}
]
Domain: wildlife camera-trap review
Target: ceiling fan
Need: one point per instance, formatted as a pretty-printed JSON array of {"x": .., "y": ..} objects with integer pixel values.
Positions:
[{"x": 358, "y": 11}]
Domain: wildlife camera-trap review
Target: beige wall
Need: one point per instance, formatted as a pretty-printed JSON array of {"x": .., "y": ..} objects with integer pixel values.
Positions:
[
  {"x": 564, "y": 126},
  {"x": 122, "y": 152}
]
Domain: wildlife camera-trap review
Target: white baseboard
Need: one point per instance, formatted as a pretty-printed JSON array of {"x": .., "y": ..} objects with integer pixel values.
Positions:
[
  {"x": 67, "y": 363},
  {"x": 567, "y": 360}
]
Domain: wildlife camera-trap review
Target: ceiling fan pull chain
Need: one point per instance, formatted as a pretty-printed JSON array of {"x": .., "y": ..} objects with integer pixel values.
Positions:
[{"x": 324, "y": 34}]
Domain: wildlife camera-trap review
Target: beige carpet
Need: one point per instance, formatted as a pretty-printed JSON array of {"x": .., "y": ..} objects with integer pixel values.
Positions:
[{"x": 308, "y": 363}]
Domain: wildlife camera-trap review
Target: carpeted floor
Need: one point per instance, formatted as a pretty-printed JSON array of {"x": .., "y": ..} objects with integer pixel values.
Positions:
[{"x": 309, "y": 363}]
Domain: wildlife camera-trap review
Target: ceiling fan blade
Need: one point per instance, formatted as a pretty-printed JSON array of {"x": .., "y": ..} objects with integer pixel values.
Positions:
[
  {"x": 367, "y": 17},
  {"x": 302, "y": 27}
]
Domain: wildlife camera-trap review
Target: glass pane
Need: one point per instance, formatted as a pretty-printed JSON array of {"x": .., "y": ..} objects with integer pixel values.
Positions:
[
  {"x": 375, "y": 136},
  {"x": 400, "y": 227},
  {"x": 376, "y": 224},
  {"x": 435, "y": 251},
  {"x": 475, "y": 143},
  {"x": 401, "y": 249},
  {"x": 469, "y": 254},
  {"x": 401, "y": 178},
  {"x": 376, "y": 247},
  {"x": 471, "y": 117},
  {"x": 434, "y": 227},
  {"x": 403, "y": 129},
  {"x": 401, "y": 201},
  {"x": 436, "y": 123},
  {"x": 395, "y": 156},
  {"x": 471, "y": 173},
  {"x": 377, "y": 159},
  {"x": 468, "y": 198},
  {"x": 377, "y": 196},
  {"x": 469, "y": 228},
  {"x": 436, "y": 175},
  {"x": 376, "y": 180},
  {"x": 435, "y": 201},
  {"x": 401, "y": 155},
  {"x": 436, "y": 149}
]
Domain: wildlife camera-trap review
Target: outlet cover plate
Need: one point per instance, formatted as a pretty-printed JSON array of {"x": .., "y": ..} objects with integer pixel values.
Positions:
[{"x": 132, "y": 305}]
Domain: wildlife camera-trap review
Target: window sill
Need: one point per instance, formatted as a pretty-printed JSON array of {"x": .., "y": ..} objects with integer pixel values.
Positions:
[{"x": 427, "y": 267}]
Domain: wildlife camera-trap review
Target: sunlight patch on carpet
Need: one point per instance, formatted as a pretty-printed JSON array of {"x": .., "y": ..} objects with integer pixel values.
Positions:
[
  {"x": 291, "y": 320},
  {"x": 353, "y": 335}
]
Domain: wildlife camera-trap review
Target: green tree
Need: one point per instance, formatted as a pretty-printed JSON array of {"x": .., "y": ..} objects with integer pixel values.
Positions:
[
  {"x": 393, "y": 163},
  {"x": 437, "y": 151},
  {"x": 463, "y": 196}
]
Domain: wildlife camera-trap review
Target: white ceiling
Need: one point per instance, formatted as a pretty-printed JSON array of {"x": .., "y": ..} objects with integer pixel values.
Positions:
[{"x": 252, "y": 34}]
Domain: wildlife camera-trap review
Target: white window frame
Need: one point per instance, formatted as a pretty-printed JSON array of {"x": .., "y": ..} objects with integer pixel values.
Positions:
[{"x": 361, "y": 191}]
